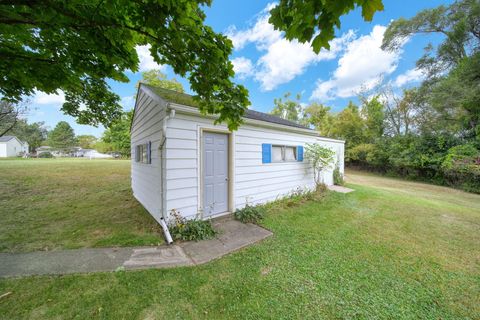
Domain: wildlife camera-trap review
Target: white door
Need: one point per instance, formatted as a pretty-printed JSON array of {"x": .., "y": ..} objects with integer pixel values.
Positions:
[{"x": 215, "y": 173}]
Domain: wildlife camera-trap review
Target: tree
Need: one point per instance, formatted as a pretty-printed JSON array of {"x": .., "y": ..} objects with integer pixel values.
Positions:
[
  {"x": 450, "y": 94},
  {"x": 456, "y": 97},
  {"x": 374, "y": 116},
  {"x": 288, "y": 109},
  {"x": 156, "y": 78},
  {"x": 350, "y": 126},
  {"x": 10, "y": 115},
  {"x": 75, "y": 46},
  {"x": 320, "y": 117},
  {"x": 34, "y": 133},
  {"x": 400, "y": 111},
  {"x": 459, "y": 23},
  {"x": 86, "y": 141},
  {"x": 306, "y": 19},
  {"x": 62, "y": 136},
  {"x": 321, "y": 159},
  {"x": 117, "y": 137}
]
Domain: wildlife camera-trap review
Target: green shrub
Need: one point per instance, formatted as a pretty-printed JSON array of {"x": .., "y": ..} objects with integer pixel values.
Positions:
[
  {"x": 45, "y": 155},
  {"x": 461, "y": 167},
  {"x": 250, "y": 214},
  {"x": 190, "y": 230},
  {"x": 338, "y": 177}
]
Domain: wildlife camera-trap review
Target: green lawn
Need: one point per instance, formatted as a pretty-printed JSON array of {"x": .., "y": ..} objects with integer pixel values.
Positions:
[
  {"x": 49, "y": 204},
  {"x": 390, "y": 250}
]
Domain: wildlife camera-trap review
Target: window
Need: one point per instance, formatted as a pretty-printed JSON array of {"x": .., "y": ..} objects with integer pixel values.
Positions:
[
  {"x": 290, "y": 153},
  {"x": 143, "y": 153},
  {"x": 284, "y": 153},
  {"x": 279, "y": 153}
]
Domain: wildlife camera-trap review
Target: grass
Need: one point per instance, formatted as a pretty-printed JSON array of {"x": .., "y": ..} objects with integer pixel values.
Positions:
[
  {"x": 390, "y": 250},
  {"x": 49, "y": 204}
]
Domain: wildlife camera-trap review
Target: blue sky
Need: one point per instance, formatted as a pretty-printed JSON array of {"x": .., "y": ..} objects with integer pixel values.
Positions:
[{"x": 269, "y": 66}]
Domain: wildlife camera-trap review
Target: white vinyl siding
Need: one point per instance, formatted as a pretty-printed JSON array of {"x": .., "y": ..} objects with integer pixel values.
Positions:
[
  {"x": 174, "y": 172},
  {"x": 254, "y": 182},
  {"x": 147, "y": 178}
]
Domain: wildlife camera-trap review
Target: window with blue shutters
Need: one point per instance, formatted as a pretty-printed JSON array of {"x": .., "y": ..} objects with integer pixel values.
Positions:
[
  {"x": 300, "y": 153},
  {"x": 281, "y": 153},
  {"x": 266, "y": 153}
]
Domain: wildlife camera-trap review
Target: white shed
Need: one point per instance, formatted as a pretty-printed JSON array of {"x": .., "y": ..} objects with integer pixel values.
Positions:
[
  {"x": 181, "y": 161},
  {"x": 11, "y": 146}
]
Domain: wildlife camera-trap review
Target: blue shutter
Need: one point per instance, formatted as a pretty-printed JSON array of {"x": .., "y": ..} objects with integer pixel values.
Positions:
[
  {"x": 266, "y": 153},
  {"x": 299, "y": 153},
  {"x": 149, "y": 152}
]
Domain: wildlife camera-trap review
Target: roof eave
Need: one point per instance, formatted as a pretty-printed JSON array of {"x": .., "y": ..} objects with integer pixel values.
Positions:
[{"x": 195, "y": 111}]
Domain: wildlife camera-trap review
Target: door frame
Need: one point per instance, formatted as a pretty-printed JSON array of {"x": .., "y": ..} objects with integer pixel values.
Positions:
[{"x": 231, "y": 165}]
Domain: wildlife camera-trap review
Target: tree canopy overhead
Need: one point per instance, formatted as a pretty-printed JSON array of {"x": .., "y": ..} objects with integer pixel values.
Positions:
[
  {"x": 459, "y": 23},
  {"x": 305, "y": 20},
  {"x": 76, "y": 46}
]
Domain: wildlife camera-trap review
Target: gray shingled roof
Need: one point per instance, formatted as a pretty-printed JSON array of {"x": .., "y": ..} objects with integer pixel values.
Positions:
[
  {"x": 6, "y": 138},
  {"x": 186, "y": 99}
]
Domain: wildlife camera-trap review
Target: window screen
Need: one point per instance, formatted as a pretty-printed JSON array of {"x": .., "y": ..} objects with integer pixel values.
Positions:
[
  {"x": 290, "y": 153},
  {"x": 143, "y": 153},
  {"x": 277, "y": 154},
  {"x": 284, "y": 153}
]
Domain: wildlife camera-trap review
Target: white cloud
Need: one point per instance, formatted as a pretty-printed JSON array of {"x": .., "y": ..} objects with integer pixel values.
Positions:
[
  {"x": 261, "y": 33},
  {"x": 412, "y": 75},
  {"x": 146, "y": 60},
  {"x": 243, "y": 67},
  {"x": 44, "y": 98},
  {"x": 282, "y": 60},
  {"x": 362, "y": 66},
  {"x": 127, "y": 102}
]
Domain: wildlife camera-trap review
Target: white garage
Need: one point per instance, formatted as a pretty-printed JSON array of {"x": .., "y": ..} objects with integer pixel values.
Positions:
[{"x": 181, "y": 161}]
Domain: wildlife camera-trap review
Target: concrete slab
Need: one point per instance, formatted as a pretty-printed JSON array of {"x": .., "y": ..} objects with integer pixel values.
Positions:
[
  {"x": 62, "y": 262},
  {"x": 233, "y": 235},
  {"x": 160, "y": 257},
  {"x": 340, "y": 189}
]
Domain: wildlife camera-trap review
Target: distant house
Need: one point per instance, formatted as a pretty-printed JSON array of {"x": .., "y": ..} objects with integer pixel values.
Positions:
[
  {"x": 11, "y": 146},
  {"x": 182, "y": 161}
]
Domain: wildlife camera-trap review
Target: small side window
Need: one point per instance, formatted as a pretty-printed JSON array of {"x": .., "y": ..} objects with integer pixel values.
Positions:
[
  {"x": 284, "y": 153},
  {"x": 143, "y": 153},
  {"x": 277, "y": 154}
]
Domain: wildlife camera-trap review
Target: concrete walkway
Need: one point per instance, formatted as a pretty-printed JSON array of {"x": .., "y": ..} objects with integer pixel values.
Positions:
[
  {"x": 233, "y": 235},
  {"x": 340, "y": 189}
]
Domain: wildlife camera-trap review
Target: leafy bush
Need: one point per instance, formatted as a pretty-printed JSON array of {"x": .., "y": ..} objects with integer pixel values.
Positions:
[
  {"x": 45, "y": 155},
  {"x": 362, "y": 153},
  {"x": 461, "y": 167},
  {"x": 338, "y": 177},
  {"x": 250, "y": 214},
  {"x": 190, "y": 230},
  {"x": 320, "y": 157}
]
